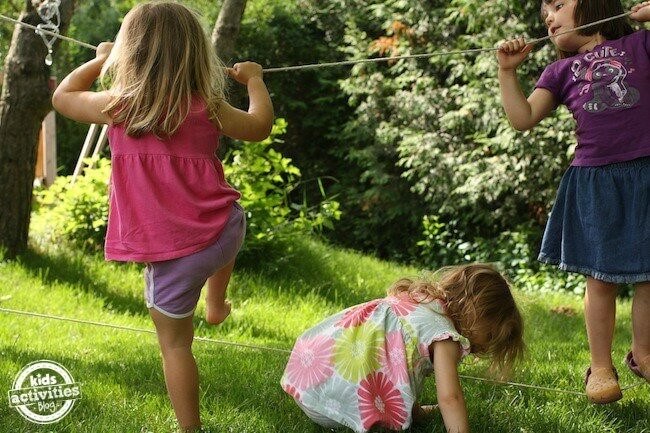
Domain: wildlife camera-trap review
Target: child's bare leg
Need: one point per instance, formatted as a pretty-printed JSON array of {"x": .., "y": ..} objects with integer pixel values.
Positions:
[
  {"x": 600, "y": 316},
  {"x": 217, "y": 308},
  {"x": 181, "y": 374},
  {"x": 641, "y": 322}
]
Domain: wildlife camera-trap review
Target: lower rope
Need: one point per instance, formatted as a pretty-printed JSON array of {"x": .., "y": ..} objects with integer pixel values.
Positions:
[
  {"x": 269, "y": 349},
  {"x": 144, "y": 331}
]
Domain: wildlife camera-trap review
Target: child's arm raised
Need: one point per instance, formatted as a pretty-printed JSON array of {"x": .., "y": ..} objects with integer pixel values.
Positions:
[
  {"x": 450, "y": 394},
  {"x": 256, "y": 124},
  {"x": 522, "y": 113},
  {"x": 72, "y": 97}
]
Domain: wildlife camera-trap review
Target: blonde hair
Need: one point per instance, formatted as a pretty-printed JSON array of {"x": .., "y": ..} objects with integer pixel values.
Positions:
[
  {"x": 162, "y": 58},
  {"x": 479, "y": 303}
]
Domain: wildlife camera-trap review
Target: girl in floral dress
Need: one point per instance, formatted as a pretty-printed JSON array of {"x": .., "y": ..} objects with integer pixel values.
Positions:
[{"x": 365, "y": 365}]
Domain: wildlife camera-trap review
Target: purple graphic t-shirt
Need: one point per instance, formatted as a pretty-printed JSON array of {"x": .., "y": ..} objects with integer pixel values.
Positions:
[{"x": 603, "y": 88}]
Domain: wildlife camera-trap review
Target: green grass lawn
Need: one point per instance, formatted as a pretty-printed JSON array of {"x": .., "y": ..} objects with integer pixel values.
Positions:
[{"x": 276, "y": 295}]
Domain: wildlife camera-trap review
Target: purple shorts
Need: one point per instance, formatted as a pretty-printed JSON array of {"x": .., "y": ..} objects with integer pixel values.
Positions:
[{"x": 173, "y": 287}]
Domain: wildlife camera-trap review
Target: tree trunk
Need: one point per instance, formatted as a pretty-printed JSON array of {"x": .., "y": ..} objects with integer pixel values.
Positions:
[
  {"x": 226, "y": 28},
  {"x": 224, "y": 37},
  {"x": 24, "y": 102}
]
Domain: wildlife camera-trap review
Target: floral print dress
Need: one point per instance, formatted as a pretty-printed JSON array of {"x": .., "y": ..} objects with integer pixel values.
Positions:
[{"x": 365, "y": 365}]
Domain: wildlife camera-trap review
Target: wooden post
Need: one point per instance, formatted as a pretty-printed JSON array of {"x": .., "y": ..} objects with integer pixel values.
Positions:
[
  {"x": 39, "y": 172},
  {"x": 101, "y": 141},
  {"x": 49, "y": 148},
  {"x": 45, "y": 172},
  {"x": 85, "y": 150}
]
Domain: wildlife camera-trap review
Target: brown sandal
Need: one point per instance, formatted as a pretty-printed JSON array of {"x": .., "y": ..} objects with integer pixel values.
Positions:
[
  {"x": 640, "y": 369},
  {"x": 602, "y": 385}
]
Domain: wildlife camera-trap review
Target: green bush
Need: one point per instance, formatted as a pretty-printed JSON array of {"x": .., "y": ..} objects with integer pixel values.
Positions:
[
  {"x": 74, "y": 213},
  {"x": 265, "y": 179},
  {"x": 514, "y": 252}
]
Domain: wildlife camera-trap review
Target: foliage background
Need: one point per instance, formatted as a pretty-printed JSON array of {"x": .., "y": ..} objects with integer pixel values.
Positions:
[{"x": 418, "y": 153}]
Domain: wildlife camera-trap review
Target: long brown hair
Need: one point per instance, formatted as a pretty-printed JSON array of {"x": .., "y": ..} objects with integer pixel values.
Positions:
[
  {"x": 478, "y": 300},
  {"x": 162, "y": 58},
  {"x": 589, "y": 11}
]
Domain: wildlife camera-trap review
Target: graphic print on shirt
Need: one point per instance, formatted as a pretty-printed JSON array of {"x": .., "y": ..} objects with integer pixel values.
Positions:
[{"x": 605, "y": 76}]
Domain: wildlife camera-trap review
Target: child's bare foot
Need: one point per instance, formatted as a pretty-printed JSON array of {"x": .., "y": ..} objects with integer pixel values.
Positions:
[
  {"x": 424, "y": 414},
  {"x": 216, "y": 314}
]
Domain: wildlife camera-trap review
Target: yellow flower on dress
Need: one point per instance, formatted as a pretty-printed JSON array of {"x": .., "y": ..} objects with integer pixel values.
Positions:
[{"x": 356, "y": 351}]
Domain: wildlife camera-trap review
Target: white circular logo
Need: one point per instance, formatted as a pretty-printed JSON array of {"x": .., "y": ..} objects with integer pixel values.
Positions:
[{"x": 44, "y": 392}]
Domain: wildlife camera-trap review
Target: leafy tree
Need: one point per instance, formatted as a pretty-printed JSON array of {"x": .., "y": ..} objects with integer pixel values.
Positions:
[
  {"x": 420, "y": 150},
  {"x": 429, "y": 136},
  {"x": 278, "y": 33},
  {"x": 227, "y": 26},
  {"x": 12, "y": 9}
]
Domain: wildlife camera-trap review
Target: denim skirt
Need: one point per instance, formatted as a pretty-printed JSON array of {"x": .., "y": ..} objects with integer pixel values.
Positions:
[{"x": 600, "y": 222}]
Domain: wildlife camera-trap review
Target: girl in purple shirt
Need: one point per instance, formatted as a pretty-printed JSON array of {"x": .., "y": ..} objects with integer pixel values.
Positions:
[
  {"x": 599, "y": 225},
  {"x": 170, "y": 205}
]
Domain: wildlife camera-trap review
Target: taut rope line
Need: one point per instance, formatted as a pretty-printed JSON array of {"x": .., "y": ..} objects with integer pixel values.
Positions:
[
  {"x": 353, "y": 62},
  {"x": 47, "y": 32},
  {"x": 440, "y": 53},
  {"x": 129, "y": 328},
  {"x": 271, "y": 349}
]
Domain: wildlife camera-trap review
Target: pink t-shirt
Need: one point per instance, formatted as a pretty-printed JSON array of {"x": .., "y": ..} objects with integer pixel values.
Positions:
[{"x": 169, "y": 198}]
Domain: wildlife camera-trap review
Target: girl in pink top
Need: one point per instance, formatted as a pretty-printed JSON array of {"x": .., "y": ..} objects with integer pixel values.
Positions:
[{"x": 170, "y": 205}]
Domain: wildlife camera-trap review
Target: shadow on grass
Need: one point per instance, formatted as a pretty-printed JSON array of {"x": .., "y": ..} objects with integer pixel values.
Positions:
[
  {"x": 74, "y": 270},
  {"x": 236, "y": 384},
  {"x": 240, "y": 392},
  {"x": 307, "y": 267},
  {"x": 301, "y": 266}
]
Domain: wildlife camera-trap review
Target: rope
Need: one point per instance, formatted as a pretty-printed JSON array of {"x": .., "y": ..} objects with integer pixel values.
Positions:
[
  {"x": 523, "y": 385},
  {"x": 542, "y": 388},
  {"x": 378, "y": 59},
  {"x": 575, "y": 29},
  {"x": 353, "y": 62},
  {"x": 439, "y": 53},
  {"x": 145, "y": 331},
  {"x": 272, "y": 349},
  {"x": 47, "y": 32}
]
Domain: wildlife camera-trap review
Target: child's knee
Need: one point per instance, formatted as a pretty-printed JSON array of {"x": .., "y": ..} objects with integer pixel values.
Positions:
[
  {"x": 599, "y": 287},
  {"x": 175, "y": 346},
  {"x": 173, "y": 334}
]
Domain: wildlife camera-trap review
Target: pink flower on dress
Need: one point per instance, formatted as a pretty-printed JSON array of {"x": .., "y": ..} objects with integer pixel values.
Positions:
[
  {"x": 310, "y": 362},
  {"x": 355, "y": 316},
  {"x": 380, "y": 402},
  {"x": 401, "y": 306},
  {"x": 393, "y": 358},
  {"x": 291, "y": 390}
]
